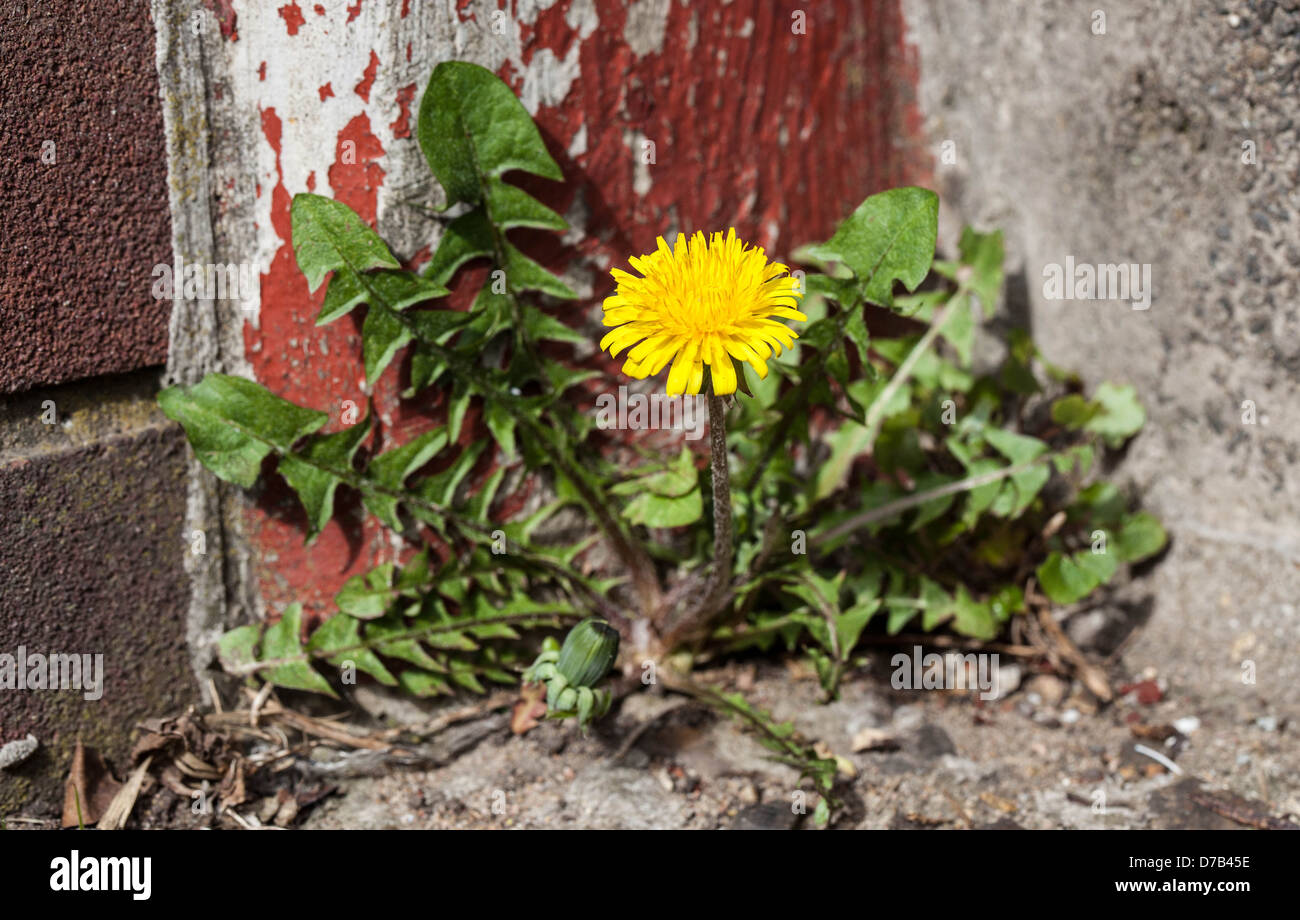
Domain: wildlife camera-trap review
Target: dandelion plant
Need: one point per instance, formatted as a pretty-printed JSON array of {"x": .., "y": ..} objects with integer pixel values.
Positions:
[{"x": 859, "y": 484}]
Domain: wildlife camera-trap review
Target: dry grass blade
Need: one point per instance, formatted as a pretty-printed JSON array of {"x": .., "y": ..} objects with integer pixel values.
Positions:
[{"x": 119, "y": 810}]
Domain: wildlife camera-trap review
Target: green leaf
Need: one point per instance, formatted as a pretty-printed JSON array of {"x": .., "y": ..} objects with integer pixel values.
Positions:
[
  {"x": 368, "y": 596},
  {"x": 659, "y": 511},
  {"x": 341, "y": 635},
  {"x": 282, "y": 641},
  {"x": 328, "y": 236},
  {"x": 310, "y": 471},
  {"x": 233, "y": 424},
  {"x": 391, "y": 468},
  {"x": 467, "y": 237},
  {"x": 527, "y": 275},
  {"x": 983, "y": 254},
  {"x": 671, "y": 481},
  {"x": 471, "y": 126},
  {"x": 1067, "y": 579},
  {"x": 1121, "y": 416},
  {"x": 237, "y": 649},
  {"x": 382, "y": 336},
  {"x": 544, "y": 326},
  {"x": 890, "y": 237},
  {"x": 1140, "y": 536},
  {"x": 511, "y": 206},
  {"x": 1074, "y": 411},
  {"x": 1018, "y": 448}
]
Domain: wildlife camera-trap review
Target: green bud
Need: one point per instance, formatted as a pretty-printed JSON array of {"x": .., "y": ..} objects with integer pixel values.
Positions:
[{"x": 589, "y": 652}]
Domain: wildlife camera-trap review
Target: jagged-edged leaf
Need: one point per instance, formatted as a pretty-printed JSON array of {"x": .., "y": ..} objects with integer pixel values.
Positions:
[
  {"x": 527, "y": 275},
  {"x": 671, "y": 480},
  {"x": 890, "y": 237},
  {"x": 395, "y": 289},
  {"x": 382, "y": 335},
  {"x": 467, "y": 237},
  {"x": 440, "y": 487},
  {"x": 501, "y": 422},
  {"x": 422, "y": 683},
  {"x": 471, "y": 125},
  {"x": 544, "y": 326},
  {"x": 391, "y": 468},
  {"x": 368, "y": 596},
  {"x": 339, "y": 638},
  {"x": 282, "y": 643},
  {"x": 233, "y": 424},
  {"x": 237, "y": 649},
  {"x": 983, "y": 254},
  {"x": 510, "y": 206},
  {"x": 659, "y": 511},
  {"x": 311, "y": 471},
  {"x": 328, "y": 236}
]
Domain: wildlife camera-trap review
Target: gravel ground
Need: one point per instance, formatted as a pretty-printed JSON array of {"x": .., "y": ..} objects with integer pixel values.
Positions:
[{"x": 1038, "y": 758}]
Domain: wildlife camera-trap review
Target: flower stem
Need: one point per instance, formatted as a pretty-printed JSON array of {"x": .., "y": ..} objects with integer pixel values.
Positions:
[{"x": 720, "y": 581}]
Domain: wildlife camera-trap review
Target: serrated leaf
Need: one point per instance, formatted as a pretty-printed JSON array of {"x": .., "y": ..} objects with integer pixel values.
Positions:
[
  {"x": 283, "y": 641},
  {"x": 233, "y": 424},
  {"x": 510, "y": 206},
  {"x": 339, "y": 638},
  {"x": 889, "y": 237},
  {"x": 367, "y": 596},
  {"x": 237, "y": 649},
  {"x": 382, "y": 335},
  {"x": 391, "y": 468},
  {"x": 527, "y": 275},
  {"x": 309, "y": 471},
  {"x": 471, "y": 125},
  {"x": 467, "y": 237},
  {"x": 328, "y": 236}
]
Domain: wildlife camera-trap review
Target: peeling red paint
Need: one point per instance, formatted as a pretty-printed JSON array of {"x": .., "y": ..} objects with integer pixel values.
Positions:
[
  {"x": 261, "y": 71},
  {"x": 224, "y": 10},
  {"x": 292, "y": 16},
  {"x": 368, "y": 77},
  {"x": 354, "y": 10},
  {"x": 408, "y": 51},
  {"x": 402, "y": 127},
  {"x": 406, "y": 9},
  {"x": 320, "y": 10},
  {"x": 311, "y": 181},
  {"x": 325, "y": 92}
]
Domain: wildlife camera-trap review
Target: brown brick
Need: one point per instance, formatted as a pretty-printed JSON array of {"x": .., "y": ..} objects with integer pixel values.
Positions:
[
  {"x": 80, "y": 236},
  {"x": 91, "y": 562}
]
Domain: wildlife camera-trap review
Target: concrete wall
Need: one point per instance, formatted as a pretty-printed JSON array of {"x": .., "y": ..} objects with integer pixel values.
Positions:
[
  {"x": 201, "y": 120},
  {"x": 1128, "y": 146}
]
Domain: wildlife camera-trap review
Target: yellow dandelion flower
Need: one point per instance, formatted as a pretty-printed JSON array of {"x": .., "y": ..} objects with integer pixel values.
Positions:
[{"x": 701, "y": 303}]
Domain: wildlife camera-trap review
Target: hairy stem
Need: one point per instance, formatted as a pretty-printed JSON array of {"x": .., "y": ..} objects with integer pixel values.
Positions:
[{"x": 715, "y": 595}]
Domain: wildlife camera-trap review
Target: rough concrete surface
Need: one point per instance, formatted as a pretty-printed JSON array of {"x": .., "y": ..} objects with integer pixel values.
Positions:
[
  {"x": 1128, "y": 147},
  {"x": 941, "y": 761}
]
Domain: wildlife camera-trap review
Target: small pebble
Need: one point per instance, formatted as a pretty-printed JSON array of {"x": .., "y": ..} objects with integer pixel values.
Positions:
[
  {"x": 1187, "y": 725},
  {"x": 1070, "y": 716},
  {"x": 1267, "y": 723}
]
